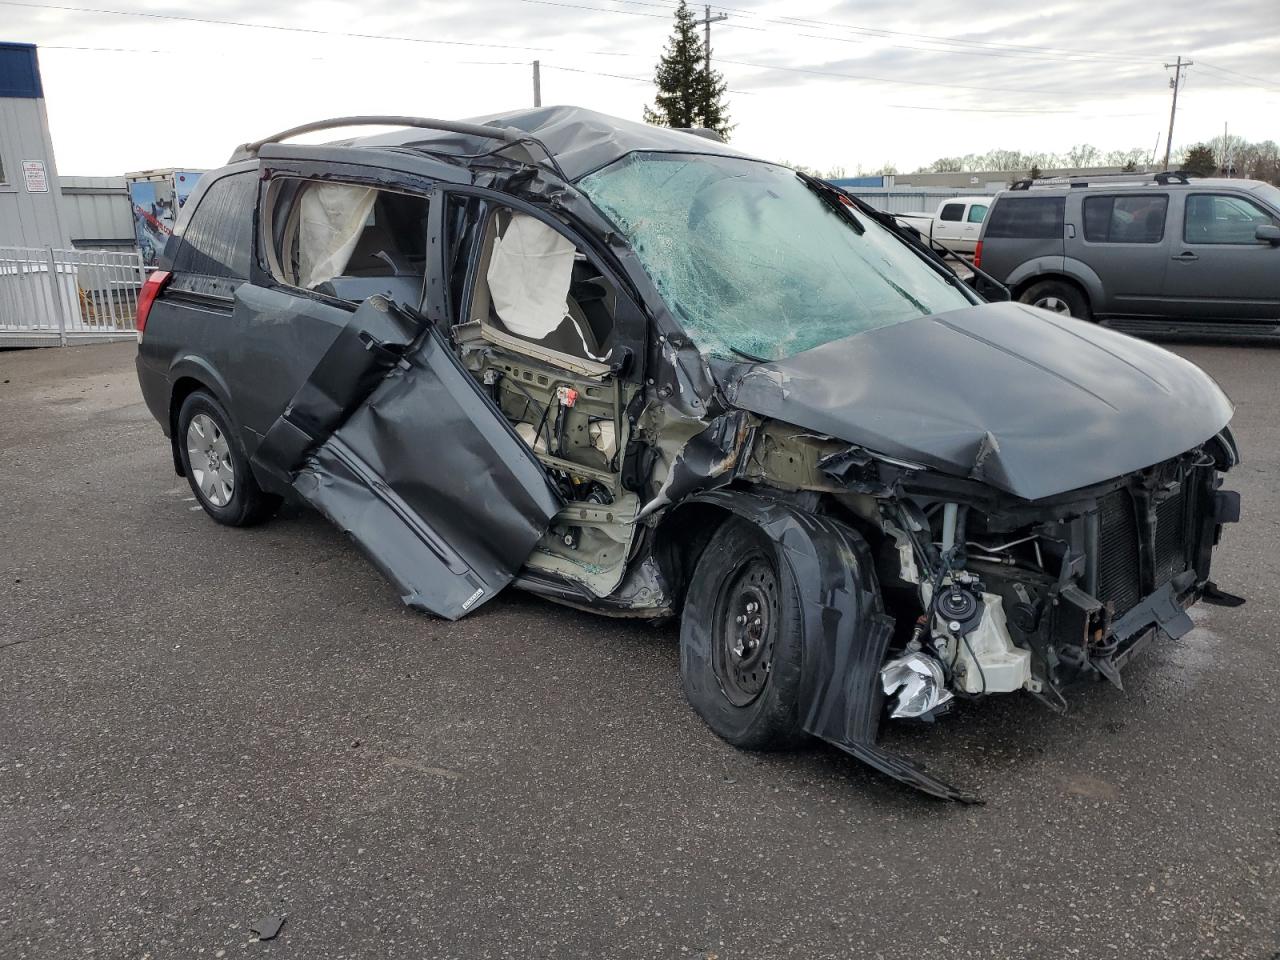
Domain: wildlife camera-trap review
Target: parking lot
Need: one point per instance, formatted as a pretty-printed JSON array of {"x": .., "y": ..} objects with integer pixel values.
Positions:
[{"x": 202, "y": 727}]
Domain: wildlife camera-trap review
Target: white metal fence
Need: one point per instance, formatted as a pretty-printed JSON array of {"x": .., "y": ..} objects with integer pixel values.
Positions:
[{"x": 50, "y": 296}]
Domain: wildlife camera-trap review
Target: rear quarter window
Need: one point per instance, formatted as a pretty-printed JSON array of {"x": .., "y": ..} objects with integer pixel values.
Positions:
[
  {"x": 218, "y": 238},
  {"x": 1026, "y": 218},
  {"x": 1132, "y": 219}
]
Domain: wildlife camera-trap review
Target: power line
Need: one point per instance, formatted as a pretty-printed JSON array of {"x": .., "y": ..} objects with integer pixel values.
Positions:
[
  {"x": 1255, "y": 81},
  {"x": 867, "y": 77},
  {"x": 188, "y": 53},
  {"x": 312, "y": 31},
  {"x": 1034, "y": 52},
  {"x": 316, "y": 31}
]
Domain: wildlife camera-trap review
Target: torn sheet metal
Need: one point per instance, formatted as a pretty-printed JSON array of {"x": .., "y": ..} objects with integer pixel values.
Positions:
[
  {"x": 1000, "y": 392},
  {"x": 372, "y": 343},
  {"x": 581, "y": 140},
  {"x": 710, "y": 459},
  {"x": 845, "y": 633},
  {"x": 404, "y": 474}
]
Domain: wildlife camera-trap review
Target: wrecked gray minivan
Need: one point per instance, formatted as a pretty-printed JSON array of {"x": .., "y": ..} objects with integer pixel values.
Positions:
[{"x": 635, "y": 371}]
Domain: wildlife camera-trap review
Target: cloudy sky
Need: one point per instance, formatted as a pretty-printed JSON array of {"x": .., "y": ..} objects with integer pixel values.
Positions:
[{"x": 135, "y": 84}]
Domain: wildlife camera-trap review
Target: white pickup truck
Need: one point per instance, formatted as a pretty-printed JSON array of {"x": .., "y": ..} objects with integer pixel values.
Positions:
[{"x": 956, "y": 223}]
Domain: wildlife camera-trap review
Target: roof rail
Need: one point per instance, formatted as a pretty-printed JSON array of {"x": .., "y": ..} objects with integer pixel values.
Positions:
[
  {"x": 247, "y": 151},
  {"x": 1085, "y": 179}
]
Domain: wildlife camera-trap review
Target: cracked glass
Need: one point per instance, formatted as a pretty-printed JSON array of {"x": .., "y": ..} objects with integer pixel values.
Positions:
[{"x": 753, "y": 262}]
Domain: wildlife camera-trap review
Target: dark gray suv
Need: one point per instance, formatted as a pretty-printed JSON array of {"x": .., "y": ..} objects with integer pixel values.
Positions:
[
  {"x": 1172, "y": 253},
  {"x": 636, "y": 371}
]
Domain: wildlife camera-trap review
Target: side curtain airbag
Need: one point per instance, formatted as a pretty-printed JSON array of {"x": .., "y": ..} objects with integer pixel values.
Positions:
[{"x": 333, "y": 215}]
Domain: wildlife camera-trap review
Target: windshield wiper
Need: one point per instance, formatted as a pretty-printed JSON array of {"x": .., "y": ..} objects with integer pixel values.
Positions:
[{"x": 834, "y": 199}]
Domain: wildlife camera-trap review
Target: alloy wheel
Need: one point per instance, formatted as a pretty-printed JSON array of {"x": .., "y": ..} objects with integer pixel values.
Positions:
[
  {"x": 209, "y": 457},
  {"x": 1054, "y": 305}
]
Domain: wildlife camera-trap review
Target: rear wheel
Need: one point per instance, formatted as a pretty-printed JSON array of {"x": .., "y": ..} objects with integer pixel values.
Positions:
[
  {"x": 740, "y": 642},
  {"x": 1060, "y": 297},
  {"x": 216, "y": 466}
]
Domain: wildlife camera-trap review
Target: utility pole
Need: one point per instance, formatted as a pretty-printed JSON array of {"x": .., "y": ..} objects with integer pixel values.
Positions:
[
  {"x": 1175, "y": 82},
  {"x": 537, "y": 83},
  {"x": 706, "y": 21}
]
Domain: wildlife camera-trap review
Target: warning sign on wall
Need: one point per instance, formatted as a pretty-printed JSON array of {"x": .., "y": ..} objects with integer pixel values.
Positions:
[
  {"x": 33, "y": 173},
  {"x": 36, "y": 178}
]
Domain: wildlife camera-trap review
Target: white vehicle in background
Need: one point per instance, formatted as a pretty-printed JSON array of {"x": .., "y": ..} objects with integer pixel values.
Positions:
[{"x": 955, "y": 224}]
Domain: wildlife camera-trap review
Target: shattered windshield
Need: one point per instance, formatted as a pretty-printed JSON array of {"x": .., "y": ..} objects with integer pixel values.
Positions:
[{"x": 753, "y": 262}]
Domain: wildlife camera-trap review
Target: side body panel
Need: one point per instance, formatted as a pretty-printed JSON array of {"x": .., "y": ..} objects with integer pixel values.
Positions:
[
  {"x": 961, "y": 234},
  {"x": 279, "y": 336},
  {"x": 1003, "y": 256},
  {"x": 1220, "y": 281},
  {"x": 1122, "y": 279},
  {"x": 428, "y": 478},
  {"x": 190, "y": 330}
]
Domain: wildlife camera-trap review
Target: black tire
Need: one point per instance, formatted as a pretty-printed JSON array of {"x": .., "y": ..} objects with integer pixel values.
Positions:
[
  {"x": 1060, "y": 297},
  {"x": 750, "y": 699},
  {"x": 247, "y": 504}
]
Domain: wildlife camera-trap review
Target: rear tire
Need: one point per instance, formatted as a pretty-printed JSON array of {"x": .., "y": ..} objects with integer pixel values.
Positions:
[
  {"x": 1060, "y": 297},
  {"x": 216, "y": 466},
  {"x": 740, "y": 640}
]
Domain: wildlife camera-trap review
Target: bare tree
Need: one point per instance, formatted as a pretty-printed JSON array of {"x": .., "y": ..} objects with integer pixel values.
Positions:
[
  {"x": 1126, "y": 159},
  {"x": 1004, "y": 160},
  {"x": 1083, "y": 155}
]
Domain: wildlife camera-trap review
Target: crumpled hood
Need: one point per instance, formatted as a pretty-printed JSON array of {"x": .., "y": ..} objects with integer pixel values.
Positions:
[{"x": 1008, "y": 394}]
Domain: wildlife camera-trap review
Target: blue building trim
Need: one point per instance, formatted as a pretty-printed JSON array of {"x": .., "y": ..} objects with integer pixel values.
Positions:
[
  {"x": 19, "y": 71},
  {"x": 872, "y": 181}
]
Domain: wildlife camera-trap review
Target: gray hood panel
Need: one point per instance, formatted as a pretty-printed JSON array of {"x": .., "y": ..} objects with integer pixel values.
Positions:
[{"x": 1019, "y": 398}]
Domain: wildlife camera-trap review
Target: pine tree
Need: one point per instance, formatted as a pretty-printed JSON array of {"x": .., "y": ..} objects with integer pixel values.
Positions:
[
  {"x": 1200, "y": 161},
  {"x": 687, "y": 96}
]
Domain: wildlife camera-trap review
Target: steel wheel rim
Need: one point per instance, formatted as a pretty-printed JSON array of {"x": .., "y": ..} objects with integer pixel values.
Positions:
[
  {"x": 209, "y": 457},
  {"x": 1054, "y": 305},
  {"x": 746, "y": 624}
]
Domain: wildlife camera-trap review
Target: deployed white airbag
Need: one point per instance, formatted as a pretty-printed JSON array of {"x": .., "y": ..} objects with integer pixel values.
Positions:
[
  {"x": 529, "y": 276},
  {"x": 333, "y": 215}
]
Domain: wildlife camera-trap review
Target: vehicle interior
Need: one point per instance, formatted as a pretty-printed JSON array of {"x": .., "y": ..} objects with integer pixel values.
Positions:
[
  {"x": 349, "y": 241},
  {"x": 534, "y": 319}
]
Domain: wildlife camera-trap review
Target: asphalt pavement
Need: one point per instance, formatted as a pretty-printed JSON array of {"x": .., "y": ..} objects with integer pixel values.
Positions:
[{"x": 202, "y": 729}]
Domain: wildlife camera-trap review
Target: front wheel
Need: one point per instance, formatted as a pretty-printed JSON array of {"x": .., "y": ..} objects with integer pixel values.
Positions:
[
  {"x": 1060, "y": 297},
  {"x": 740, "y": 640},
  {"x": 216, "y": 466}
]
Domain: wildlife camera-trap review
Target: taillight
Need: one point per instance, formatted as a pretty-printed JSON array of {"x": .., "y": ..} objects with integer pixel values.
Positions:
[
  {"x": 977, "y": 254},
  {"x": 150, "y": 290}
]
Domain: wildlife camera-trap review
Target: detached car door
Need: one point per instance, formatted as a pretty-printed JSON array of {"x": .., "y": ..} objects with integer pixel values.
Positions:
[{"x": 386, "y": 434}]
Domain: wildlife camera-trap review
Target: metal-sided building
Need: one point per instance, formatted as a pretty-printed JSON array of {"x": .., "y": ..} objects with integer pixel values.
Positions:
[
  {"x": 50, "y": 292},
  {"x": 30, "y": 198}
]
